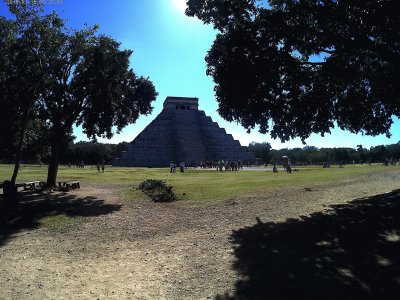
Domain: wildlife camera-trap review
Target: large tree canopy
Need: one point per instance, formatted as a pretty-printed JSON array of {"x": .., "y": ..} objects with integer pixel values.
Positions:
[
  {"x": 24, "y": 42},
  {"x": 64, "y": 77},
  {"x": 294, "y": 67}
]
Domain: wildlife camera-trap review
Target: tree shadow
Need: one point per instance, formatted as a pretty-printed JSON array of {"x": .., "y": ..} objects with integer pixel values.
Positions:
[
  {"x": 34, "y": 206},
  {"x": 351, "y": 251}
]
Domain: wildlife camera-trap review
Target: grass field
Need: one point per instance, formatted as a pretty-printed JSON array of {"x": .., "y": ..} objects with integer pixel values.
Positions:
[
  {"x": 199, "y": 184},
  {"x": 252, "y": 234}
]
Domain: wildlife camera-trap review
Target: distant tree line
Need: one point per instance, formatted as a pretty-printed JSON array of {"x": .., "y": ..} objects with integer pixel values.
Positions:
[
  {"x": 71, "y": 153},
  {"x": 314, "y": 155},
  {"x": 92, "y": 153},
  {"x": 36, "y": 151}
]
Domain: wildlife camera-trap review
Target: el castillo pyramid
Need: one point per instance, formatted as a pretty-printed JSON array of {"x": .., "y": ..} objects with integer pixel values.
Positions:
[{"x": 182, "y": 133}]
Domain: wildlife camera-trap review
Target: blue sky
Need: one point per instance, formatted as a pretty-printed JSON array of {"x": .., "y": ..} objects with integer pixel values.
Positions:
[{"x": 170, "y": 48}]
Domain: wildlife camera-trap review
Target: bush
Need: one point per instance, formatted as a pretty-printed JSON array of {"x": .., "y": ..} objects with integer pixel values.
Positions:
[{"x": 157, "y": 190}]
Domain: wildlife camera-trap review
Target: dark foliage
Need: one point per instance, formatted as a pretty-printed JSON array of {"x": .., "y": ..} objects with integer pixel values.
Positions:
[
  {"x": 157, "y": 190},
  {"x": 299, "y": 67},
  {"x": 310, "y": 154},
  {"x": 91, "y": 153},
  {"x": 64, "y": 77},
  {"x": 261, "y": 150}
]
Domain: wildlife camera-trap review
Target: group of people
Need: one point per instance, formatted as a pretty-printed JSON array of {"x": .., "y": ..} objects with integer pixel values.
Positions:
[
  {"x": 172, "y": 167},
  {"x": 389, "y": 161},
  {"x": 81, "y": 165},
  {"x": 233, "y": 165}
]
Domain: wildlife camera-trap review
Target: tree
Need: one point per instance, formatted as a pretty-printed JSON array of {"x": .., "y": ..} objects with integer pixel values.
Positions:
[
  {"x": 298, "y": 67},
  {"x": 102, "y": 92},
  {"x": 261, "y": 150},
  {"x": 85, "y": 79},
  {"x": 21, "y": 72},
  {"x": 88, "y": 152}
]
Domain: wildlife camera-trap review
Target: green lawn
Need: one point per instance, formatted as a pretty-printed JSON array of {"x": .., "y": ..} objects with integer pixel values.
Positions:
[{"x": 199, "y": 184}]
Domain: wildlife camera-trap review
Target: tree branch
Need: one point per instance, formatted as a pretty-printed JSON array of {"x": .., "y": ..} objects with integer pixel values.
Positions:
[
  {"x": 327, "y": 51},
  {"x": 312, "y": 63}
]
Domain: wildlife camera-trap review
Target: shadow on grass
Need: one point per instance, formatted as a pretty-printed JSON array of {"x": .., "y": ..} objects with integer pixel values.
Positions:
[
  {"x": 35, "y": 206},
  {"x": 349, "y": 252}
]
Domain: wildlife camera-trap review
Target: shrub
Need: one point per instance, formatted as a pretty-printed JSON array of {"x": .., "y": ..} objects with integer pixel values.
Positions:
[{"x": 157, "y": 190}]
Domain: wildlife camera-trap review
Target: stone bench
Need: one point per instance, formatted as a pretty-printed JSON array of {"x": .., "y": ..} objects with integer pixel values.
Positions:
[
  {"x": 30, "y": 185},
  {"x": 69, "y": 184}
]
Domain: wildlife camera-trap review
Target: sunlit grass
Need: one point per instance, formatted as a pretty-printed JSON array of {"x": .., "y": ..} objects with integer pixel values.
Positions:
[
  {"x": 200, "y": 184},
  {"x": 60, "y": 221}
]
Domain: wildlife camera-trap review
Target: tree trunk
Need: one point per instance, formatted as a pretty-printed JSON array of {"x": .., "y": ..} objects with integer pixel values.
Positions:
[
  {"x": 53, "y": 164},
  {"x": 24, "y": 125}
]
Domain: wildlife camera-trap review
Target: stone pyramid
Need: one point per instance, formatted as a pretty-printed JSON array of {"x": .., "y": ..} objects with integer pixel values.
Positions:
[{"x": 182, "y": 132}]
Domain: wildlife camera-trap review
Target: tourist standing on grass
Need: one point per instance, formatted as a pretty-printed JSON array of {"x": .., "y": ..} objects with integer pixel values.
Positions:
[
  {"x": 102, "y": 167},
  {"x": 288, "y": 166},
  {"x": 221, "y": 164},
  {"x": 182, "y": 167}
]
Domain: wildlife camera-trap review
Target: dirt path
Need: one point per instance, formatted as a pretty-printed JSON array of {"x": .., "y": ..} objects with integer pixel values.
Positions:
[{"x": 142, "y": 250}]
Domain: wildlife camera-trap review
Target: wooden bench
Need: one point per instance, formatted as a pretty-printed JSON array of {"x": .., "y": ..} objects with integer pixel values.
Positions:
[{"x": 69, "y": 184}]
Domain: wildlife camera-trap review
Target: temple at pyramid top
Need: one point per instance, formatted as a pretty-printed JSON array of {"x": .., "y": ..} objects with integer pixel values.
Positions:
[
  {"x": 184, "y": 103},
  {"x": 182, "y": 133}
]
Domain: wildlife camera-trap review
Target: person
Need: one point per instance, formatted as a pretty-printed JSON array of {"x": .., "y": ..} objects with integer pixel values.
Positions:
[
  {"x": 174, "y": 168},
  {"x": 182, "y": 167},
  {"x": 102, "y": 167},
  {"x": 171, "y": 166},
  {"x": 98, "y": 167},
  {"x": 288, "y": 166},
  {"x": 221, "y": 164},
  {"x": 275, "y": 169}
]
